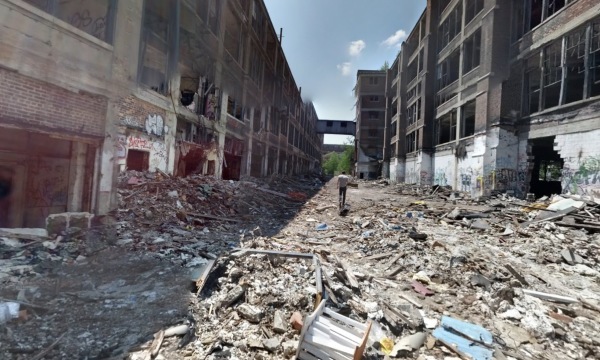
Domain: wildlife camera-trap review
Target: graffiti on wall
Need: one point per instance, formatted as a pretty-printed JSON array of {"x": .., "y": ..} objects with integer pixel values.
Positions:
[
  {"x": 440, "y": 177},
  {"x": 158, "y": 156},
  {"x": 584, "y": 179},
  {"x": 121, "y": 146},
  {"x": 138, "y": 143},
  {"x": 153, "y": 124}
]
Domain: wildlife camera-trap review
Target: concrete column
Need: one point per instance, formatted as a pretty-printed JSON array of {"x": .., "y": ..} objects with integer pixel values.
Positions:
[
  {"x": 249, "y": 145},
  {"x": 265, "y": 165},
  {"x": 221, "y": 135},
  {"x": 171, "y": 132},
  {"x": 76, "y": 176}
]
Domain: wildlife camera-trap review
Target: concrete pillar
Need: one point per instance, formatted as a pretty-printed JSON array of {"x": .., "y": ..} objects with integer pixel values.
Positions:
[
  {"x": 265, "y": 167},
  {"x": 248, "y": 152},
  {"x": 76, "y": 176}
]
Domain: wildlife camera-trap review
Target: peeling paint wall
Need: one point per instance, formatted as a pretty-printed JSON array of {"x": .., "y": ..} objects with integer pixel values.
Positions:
[{"x": 397, "y": 170}]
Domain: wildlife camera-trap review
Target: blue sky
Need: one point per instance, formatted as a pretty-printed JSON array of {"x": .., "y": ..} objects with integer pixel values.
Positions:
[{"x": 327, "y": 41}]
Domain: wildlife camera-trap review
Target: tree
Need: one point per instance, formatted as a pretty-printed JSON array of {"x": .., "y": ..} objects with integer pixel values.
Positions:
[
  {"x": 330, "y": 163},
  {"x": 385, "y": 66}
]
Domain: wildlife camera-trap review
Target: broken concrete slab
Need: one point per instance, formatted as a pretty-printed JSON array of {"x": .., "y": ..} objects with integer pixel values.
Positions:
[
  {"x": 279, "y": 323},
  {"x": 563, "y": 204},
  {"x": 571, "y": 257},
  {"x": 513, "y": 336}
]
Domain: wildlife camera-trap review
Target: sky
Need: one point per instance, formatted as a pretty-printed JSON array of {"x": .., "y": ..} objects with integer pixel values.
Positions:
[{"x": 327, "y": 41}]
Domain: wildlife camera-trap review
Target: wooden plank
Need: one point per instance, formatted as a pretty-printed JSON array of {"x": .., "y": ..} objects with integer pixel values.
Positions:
[
  {"x": 394, "y": 271},
  {"x": 396, "y": 258},
  {"x": 358, "y": 353},
  {"x": 349, "y": 274},
  {"x": 318, "y": 281},
  {"x": 550, "y": 297},
  {"x": 578, "y": 226},
  {"x": 307, "y": 322},
  {"x": 376, "y": 257},
  {"x": 558, "y": 215},
  {"x": 272, "y": 252},
  {"x": 517, "y": 276},
  {"x": 354, "y": 337},
  {"x": 345, "y": 320},
  {"x": 201, "y": 280},
  {"x": 399, "y": 315}
]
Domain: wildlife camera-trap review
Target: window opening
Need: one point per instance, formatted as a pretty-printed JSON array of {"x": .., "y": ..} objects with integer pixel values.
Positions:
[
  {"x": 472, "y": 53},
  {"x": 468, "y": 119},
  {"x": 552, "y": 74},
  {"x": 473, "y": 7},
  {"x": 575, "y": 66},
  {"x": 447, "y": 127},
  {"x": 532, "y": 81}
]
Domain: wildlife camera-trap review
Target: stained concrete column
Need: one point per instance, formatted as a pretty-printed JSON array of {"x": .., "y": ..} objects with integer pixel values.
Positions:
[
  {"x": 76, "y": 176},
  {"x": 221, "y": 137}
]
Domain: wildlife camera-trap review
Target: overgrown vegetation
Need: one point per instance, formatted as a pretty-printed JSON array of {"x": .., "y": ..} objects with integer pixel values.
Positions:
[{"x": 334, "y": 163}]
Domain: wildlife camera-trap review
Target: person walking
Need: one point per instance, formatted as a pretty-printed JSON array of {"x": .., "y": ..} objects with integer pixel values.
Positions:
[{"x": 342, "y": 184}]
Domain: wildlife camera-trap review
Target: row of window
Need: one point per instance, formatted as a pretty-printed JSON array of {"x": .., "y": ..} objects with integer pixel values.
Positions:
[
  {"x": 564, "y": 75},
  {"x": 449, "y": 69},
  {"x": 527, "y": 14}
]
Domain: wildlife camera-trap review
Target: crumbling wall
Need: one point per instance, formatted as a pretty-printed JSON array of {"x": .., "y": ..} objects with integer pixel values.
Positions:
[
  {"x": 470, "y": 167},
  {"x": 581, "y": 169},
  {"x": 443, "y": 168},
  {"x": 501, "y": 173},
  {"x": 419, "y": 169}
]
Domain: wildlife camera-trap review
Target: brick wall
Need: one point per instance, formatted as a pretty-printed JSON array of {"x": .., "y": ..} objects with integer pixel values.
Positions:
[
  {"x": 31, "y": 103},
  {"x": 138, "y": 109}
]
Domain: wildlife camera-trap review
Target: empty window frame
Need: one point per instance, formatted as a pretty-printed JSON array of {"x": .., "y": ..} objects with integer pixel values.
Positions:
[
  {"x": 472, "y": 8},
  {"x": 413, "y": 112},
  {"x": 527, "y": 14},
  {"x": 412, "y": 70},
  {"x": 414, "y": 91},
  {"x": 532, "y": 84},
  {"x": 329, "y": 124},
  {"x": 450, "y": 27},
  {"x": 467, "y": 124},
  {"x": 258, "y": 19},
  {"x": 472, "y": 52},
  {"x": 517, "y": 18},
  {"x": 552, "y": 75},
  {"x": 373, "y": 133},
  {"x": 256, "y": 66},
  {"x": 155, "y": 46},
  {"x": 447, "y": 71},
  {"x": 374, "y": 98},
  {"x": 256, "y": 121},
  {"x": 234, "y": 108},
  {"x": 412, "y": 142},
  {"x": 373, "y": 80},
  {"x": 446, "y": 128},
  {"x": 421, "y": 59},
  {"x": 575, "y": 66},
  {"x": 535, "y": 13},
  {"x": 595, "y": 59},
  {"x": 394, "y": 129},
  {"x": 554, "y": 6}
]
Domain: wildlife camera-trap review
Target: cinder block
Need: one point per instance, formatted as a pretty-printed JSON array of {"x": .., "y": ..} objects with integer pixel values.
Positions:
[{"x": 57, "y": 224}]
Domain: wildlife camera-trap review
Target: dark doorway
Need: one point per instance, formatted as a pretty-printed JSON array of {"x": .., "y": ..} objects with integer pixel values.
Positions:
[
  {"x": 547, "y": 168},
  {"x": 138, "y": 160},
  {"x": 233, "y": 169}
]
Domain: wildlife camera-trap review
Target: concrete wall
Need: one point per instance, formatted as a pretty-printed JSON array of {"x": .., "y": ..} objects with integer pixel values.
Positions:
[{"x": 581, "y": 155}]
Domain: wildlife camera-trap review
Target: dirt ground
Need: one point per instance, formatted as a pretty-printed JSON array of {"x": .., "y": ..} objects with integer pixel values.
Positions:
[{"x": 108, "y": 305}]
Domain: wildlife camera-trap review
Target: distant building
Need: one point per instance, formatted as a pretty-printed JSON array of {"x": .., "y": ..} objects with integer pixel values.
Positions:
[
  {"x": 90, "y": 88},
  {"x": 370, "y": 94},
  {"x": 496, "y": 95}
]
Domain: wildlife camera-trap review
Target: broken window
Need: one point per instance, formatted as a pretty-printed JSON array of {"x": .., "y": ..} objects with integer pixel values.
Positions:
[
  {"x": 258, "y": 19},
  {"x": 394, "y": 129},
  {"x": 595, "y": 59},
  {"x": 518, "y": 14},
  {"x": 95, "y": 17},
  {"x": 575, "y": 66},
  {"x": 554, "y": 6},
  {"x": 472, "y": 8},
  {"x": 411, "y": 142},
  {"x": 552, "y": 75},
  {"x": 155, "y": 46},
  {"x": 234, "y": 108},
  {"x": 421, "y": 59},
  {"x": 412, "y": 92},
  {"x": 447, "y": 71},
  {"x": 450, "y": 27},
  {"x": 472, "y": 52},
  {"x": 256, "y": 66},
  {"x": 257, "y": 126},
  {"x": 233, "y": 40},
  {"x": 446, "y": 127},
  {"x": 467, "y": 124},
  {"x": 413, "y": 112},
  {"x": 532, "y": 84},
  {"x": 412, "y": 70},
  {"x": 535, "y": 13}
]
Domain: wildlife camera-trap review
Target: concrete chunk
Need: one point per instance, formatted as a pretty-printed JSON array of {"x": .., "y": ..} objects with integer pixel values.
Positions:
[
  {"x": 279, "y": 323},
  {"x": 570, "y": 257},
  {"x": 251, "y": 313}
]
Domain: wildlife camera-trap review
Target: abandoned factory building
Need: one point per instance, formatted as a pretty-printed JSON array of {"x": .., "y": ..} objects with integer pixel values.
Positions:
[
  {"x": 93, "y": 87},
  {"x": 490, "y": 95}
]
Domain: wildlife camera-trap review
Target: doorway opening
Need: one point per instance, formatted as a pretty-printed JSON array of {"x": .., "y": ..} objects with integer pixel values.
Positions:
[
  {"x": 547, "y": 168},
  {"x": 138, "y": 160}
]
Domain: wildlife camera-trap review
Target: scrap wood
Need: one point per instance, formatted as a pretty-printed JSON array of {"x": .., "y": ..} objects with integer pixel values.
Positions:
[
  {"x": 159, "y": 337},
  {"x": 44, "y": 352},
  {"x": 201, "y": 280},
  {"x": 399, "y": 315},
  {"x": 411, "y": 300},
  {"x": 517, "y": 276},
  {"x": 349, "y": 274}
]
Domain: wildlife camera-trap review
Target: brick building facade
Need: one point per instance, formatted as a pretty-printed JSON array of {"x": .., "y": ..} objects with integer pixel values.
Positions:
[
  {"x": 482, "y": 107},
  {"x": 91, "y": 88}
]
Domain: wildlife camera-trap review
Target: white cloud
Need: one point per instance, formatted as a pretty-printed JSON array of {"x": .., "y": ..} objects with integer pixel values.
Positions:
[
  {"x": 345, "y": 68},
  {"x": 356, "y": 47},
  {"x": 395, "y": 40}
]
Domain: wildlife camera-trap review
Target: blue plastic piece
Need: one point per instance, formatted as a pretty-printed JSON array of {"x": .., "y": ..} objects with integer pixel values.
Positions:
[
  {"x": 471, "y": 331},
  {"x": 464, "y": 346},
  {"x": 322, "y": 227}
]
